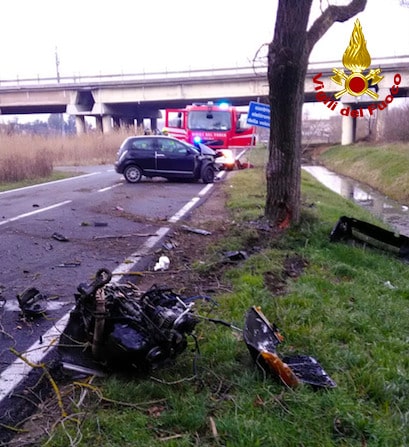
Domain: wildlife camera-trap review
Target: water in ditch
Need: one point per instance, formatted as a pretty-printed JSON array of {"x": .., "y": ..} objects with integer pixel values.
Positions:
[{"x": 389, "y": 211}]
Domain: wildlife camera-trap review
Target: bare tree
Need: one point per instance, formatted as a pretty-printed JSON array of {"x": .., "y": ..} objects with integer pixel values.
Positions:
[{"x": 288, "y": 56}]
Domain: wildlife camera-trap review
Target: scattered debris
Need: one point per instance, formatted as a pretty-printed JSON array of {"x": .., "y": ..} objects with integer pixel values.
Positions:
[
  {"x": 235, "y": 256},
  {"x": 116, "y": 326},
  {"x": 261, "y": 225},
  {"x": 59, "y": 237},
  {"x": 196, "y": 230},
  {"x": 262, "y": 339},
  {"x": 389, "y": 285},
  {"x": 44, "y": 219},
  {"x": 122, "y": 236},
  {"x": 213, "y": 427},
  {"x": 95, "y": 224},
  {"x": 32, "y": 303},
  {"x": 70, "y": 264},
  {"x": 348, "y": 228},
  {"x": 169, "y": 245},
  {"x": 100, "y": 224},
  {"x": 162, "y": 264},
  {"x": 244, "y": 165}
]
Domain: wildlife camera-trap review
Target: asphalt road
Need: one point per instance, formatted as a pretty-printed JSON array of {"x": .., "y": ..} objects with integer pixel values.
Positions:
[{"x": 104, "y": 221}]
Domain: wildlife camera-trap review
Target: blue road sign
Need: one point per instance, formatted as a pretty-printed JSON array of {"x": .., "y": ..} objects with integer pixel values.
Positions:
[{"x": 258, "y": 115}]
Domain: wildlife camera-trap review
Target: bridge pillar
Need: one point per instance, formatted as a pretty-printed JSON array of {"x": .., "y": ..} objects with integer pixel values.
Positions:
[
  {"x": 116, "y": 122},
  {"x": 107, "y": 124},
  {"x": 380, "y": 124},
  {"x": 98, "y": 123},
  {"x": 80, "y": 124},
  {"x": 139, "y": 124},
  {"x": 154, "y": 124},
  {"x": 127, "y": 122},
  {"x": 348, "y": 130}
]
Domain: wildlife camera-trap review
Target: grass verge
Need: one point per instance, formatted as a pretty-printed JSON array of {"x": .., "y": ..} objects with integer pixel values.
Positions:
[
  {"x": 349, "y": 309},
  {"x": 55, "y": 175}
]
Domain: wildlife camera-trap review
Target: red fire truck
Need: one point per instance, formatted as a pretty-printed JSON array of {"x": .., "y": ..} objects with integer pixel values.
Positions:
[{"x": 220, "y": 126}]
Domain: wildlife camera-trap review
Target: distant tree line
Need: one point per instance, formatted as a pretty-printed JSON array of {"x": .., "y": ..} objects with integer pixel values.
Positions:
[
  {"x": 55, "y": 125},
  {"x": 397, "y": 125}
]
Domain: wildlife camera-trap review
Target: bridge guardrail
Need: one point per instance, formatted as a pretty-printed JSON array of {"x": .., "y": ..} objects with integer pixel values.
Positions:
[
  {"x": 255, "y": 70},
  {"x": 125, "y": 77}
]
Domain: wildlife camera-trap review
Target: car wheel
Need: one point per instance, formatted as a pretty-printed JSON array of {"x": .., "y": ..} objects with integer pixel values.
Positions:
[
  {"x": 133, "y": 174},
  {"x": 207, "y": 174}
]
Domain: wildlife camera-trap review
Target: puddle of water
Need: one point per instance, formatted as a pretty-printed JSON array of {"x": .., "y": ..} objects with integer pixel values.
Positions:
[{"x": 391, "y": 212}]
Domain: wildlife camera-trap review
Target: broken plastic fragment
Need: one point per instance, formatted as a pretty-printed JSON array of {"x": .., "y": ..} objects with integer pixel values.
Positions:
[
  {"x": 244, "y": 165},
  {"x": 281, "y": 369},
  {"x": 70, "y": 264},
  {"x": 238, "y": 255},
  {"x": 100, "y": 224},
  {"x": 389, "y": 285},
  {"x": 32, "y": 303},
  {"x": 59, "y": 237},
  {"x": 348, "y": 228},
  {"x": 196, "y": 230},
  {"x": 308, "y": 370},
  {"x": 262, "y": 339},
  {"x": 162, "y": 264}
]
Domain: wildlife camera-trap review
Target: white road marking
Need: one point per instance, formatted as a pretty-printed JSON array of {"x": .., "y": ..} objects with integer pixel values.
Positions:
[
  {"x": 32, "y": 213},
  {"x": 184, "y": 210},
  {"x": 109, "y": 187},
  {"x": 19, "y": 369},
  {"x": 13, "y": 306},
  {"x": 205, "y": 190}
]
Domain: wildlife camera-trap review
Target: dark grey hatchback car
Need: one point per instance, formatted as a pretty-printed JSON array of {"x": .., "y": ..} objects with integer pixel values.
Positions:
[{"x": 161, "y": 156}]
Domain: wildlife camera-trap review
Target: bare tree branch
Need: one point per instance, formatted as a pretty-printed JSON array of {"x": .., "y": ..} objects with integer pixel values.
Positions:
[{"x": 328, "y": 17}]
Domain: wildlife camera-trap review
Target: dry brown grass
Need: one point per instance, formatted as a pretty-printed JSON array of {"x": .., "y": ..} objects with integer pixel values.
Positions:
[{"x": 24, "y": 156}]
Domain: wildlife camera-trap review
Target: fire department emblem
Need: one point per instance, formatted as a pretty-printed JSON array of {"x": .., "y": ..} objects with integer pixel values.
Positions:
[{"x": 357, "y": 59}]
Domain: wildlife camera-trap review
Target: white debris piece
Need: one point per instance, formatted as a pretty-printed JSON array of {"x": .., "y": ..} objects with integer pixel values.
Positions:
[{"x": 162, "y": 264}]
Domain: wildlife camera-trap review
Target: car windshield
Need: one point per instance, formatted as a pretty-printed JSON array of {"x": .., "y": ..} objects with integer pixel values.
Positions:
[
  {"x": 194, "y": 148},
  {"x": 209, "y": 120}
]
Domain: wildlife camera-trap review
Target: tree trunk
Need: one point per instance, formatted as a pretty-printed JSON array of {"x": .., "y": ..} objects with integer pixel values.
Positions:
[{"x": 287, "y": 66}]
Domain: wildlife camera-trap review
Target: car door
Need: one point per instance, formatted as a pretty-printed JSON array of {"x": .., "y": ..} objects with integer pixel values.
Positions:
[
  {"x": 142, "y": 152},
  {"x": 174, "y": 158}
]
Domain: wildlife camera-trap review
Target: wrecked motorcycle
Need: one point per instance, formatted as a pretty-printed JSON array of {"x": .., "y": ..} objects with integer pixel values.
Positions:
[
  {"x": 114, "y": 325},
  {"x": 119, "y": 326}
]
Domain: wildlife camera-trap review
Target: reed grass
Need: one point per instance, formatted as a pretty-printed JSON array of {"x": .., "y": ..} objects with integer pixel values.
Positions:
[{"x": 25, "y": 156}]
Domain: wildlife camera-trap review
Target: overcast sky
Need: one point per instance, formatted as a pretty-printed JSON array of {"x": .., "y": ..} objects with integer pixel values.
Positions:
[{"x": 130, "y": 36}]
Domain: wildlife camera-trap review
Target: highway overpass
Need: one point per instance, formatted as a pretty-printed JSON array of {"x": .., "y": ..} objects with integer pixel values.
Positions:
[{"x": 123, "y": 99}]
